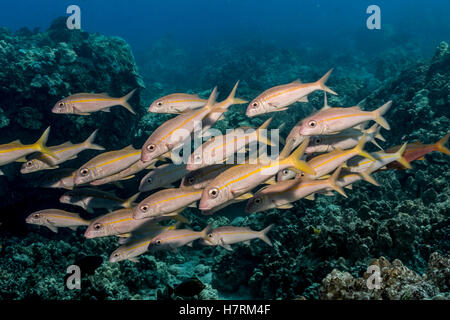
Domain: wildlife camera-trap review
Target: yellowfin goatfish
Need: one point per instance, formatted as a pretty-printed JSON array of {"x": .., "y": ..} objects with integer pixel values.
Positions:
[
  {"x": 227, "y": 235},
  {"x": 107, "y": 164},
  {"x": 200, "y": 178},
  {"x": 219, "y": 148},
  {"x": 162, "y": 177},
  {"x": 15, "y": 150},
  {"x": 280, "y": 97},
  {"x": 126, "y": 174},
  {"x": 173, "y": 239},
  {"x": 176, "y": 130},
  {"x": 91, "y": 199},
  {"x": 55, "y": 218},
  {"x": 282, "y": 194},
  {"x": 121, "y": 222},
  {"x": 139, "y": 245},
  {"x": 327, "y": 162},
  {"x": 166, "y": 201},
  {"x": 86, "y": 103},
  {"x": 344, "y": 140},
  {"x": 241, "y": 178},
  {"x": 381, "y": 158},
  {"x": 334, "y": 120},
  {"x": 177, "y": 103},
  {"x": 64, "y": 152}
]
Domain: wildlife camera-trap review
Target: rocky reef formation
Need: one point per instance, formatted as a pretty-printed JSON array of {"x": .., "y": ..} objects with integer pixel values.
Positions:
[
  {"x": 396, "y": 282},
  {"x": 407, "y": 218}
]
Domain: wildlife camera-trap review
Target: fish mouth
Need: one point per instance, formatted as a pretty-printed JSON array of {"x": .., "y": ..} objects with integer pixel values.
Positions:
[
  {"x": 138, "y": 215},
  {"x": 145, "y": 157},
  {"x": 88, "y": 235},
  {"x": 204, "y": 207}
]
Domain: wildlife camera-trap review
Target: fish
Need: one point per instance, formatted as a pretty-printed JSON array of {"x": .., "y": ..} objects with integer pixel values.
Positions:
[
  {"x": 219, "y": 148},
  {"x": 200, "y": 178},
  {"x": 177, "y": 103},
  {"x": 344, "y": 140},
  {"x": 15, "y": 150},
  {"x": 188, "y": 288},
  {"x": 106, "y": 164},
  {"x": 166, "y": 202},
  {"x": 64, "y": 152},
  {"x": 87, "y": 103},
  {"x": 175, "y": 131},
  {"x": 90, "y": 199},
  {"x": 162, "y": 177},
  {"x": 280, "y": 97},
  {"x": 88, "y": 264},
  {"x": 328, "y": 162},
  {"x": 380, "y": 159},
  {"x": 334, "y": 120},
  {"x": 241, "y": 178},
  {"x": 59, "y": 178},
  {"x": 282, "y": 194},
  {"x": 347, "y": 178},
  {"x": 126, "y": 174},
  {"x": 417, "y": 151},
  {"x": 121, "y": 222},
  {"x": 55, "y": 218},
  {"x": 173, "y": 239},
  {"x": 227, "y": 235}
]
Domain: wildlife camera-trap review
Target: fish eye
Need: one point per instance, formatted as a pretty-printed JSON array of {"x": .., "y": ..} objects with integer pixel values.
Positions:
[
  {"x": 36, "y": 216},
  {"x": 318, "y": 140},
  {"x": 158, "y": 242},
  {"x": 97, "y": 226},
  {"x": 149, "y": 180},
  {"x": 254, "y": 104},
  {"x": 198, "y": 157},
  {"x": 213, "y": 193},
  {"x": 210, "y": 235},
  {"x": 29, "y": 163},
  {"x": 159, "y": 103},
  {"x": 151, "y": 147},
  {"x": 312, "y": 123},
  {"x": 144, "y": 208},
  {"x": 84, "y": 172},
  {"x": 61, "y": 104},
  {"x": 285, "y": 172},
  {"x": 116, "y": 255},
  {"x": 302, "y": 174},
  {"x": 191, "y": 180},
  {"x": 258, "y": 200}
]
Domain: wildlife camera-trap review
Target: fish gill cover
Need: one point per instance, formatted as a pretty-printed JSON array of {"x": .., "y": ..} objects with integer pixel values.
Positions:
[{"x": 319, "y": 249}]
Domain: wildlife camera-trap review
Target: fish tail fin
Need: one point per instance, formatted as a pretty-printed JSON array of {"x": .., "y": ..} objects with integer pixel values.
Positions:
[
  {"x": 263, "y": 235},
  {"x": 128, "y": 203},
  {"x": 332, "y": 181},
  {"x": 441, "y": 144},
  {"x": 366, "y": 176},
  {"x": 204, "y": 232},
  {"x": 124, "y": 101},
  {"x": 378, "y": 135},
  {"x": 263, "y": 138},
  {"x": 359, "y": 149},
  {"x": 231, "y": 97},
  {"x": 321, "y": 82},
  {"x": 89, "y": 142},
  {"x": 378, "y": 113},
  {"x": 401, "y": 159},
  {"x": 40, "y": 144},
  {"x": 294, "y": 159}
]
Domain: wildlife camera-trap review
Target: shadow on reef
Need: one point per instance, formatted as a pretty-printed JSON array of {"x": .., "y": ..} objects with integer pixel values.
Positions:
[{"x": 407, "y": 218}]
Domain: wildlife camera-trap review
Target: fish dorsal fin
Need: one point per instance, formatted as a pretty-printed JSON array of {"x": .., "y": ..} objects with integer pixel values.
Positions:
[
  {"x": 130, "y": 147},
  {"x": 325, "y": 102},
  {"x": 310, "y": 197},
  {"x": 297, "y": 81}
]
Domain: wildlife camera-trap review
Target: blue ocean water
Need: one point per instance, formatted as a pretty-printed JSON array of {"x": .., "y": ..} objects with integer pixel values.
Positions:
[{"x": 192, "y": 46}]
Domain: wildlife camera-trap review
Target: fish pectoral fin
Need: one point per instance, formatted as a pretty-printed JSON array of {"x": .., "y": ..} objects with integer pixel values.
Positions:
[
  {"x": 270, "y": 181},
  {"x": 52, "y": 227},
  {"x": 225, "y": 245},
  {"x": 189, "y": 244},
  {"x": 135, "y": 260},
  {"x": 244, "y": 196},
  {"x": 106, "y": 110},
  {"x": 124, "y": 235},
  {"x": 349, "y": 187},
  {"x": 128, "y": 177},
  {"x": 73, "y": 228},
  {"x": 193, "y": 205}
]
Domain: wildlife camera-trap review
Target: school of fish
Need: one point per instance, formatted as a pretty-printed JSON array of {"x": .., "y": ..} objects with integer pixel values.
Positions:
[{"x": 324, "y": 153}]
